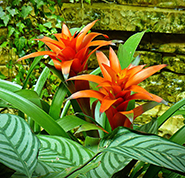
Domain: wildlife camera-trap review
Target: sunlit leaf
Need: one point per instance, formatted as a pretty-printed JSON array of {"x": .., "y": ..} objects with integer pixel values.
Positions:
[{"x": 127, "y": 50}]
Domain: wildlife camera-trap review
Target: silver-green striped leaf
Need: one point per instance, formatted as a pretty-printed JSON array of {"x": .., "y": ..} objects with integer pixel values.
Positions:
[
  {"x": 18, "y": 146},
  {"x": 59, "y": 154},
  {"x": 110, "y": 163},
  {"x": 147, "y": 148}
]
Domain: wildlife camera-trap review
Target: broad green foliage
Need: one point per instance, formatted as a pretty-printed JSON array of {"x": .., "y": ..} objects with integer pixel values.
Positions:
[
  {"x": 26, "y": 21},
  {"x": 63, "y": 156},
  {"x": 79, "y": 145},
  {"x": 145, "y": 147},
  {"x": 18, "y": 145}
]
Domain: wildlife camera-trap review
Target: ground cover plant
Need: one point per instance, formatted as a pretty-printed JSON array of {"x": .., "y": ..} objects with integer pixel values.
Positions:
[{"x": 99, "y": 139}]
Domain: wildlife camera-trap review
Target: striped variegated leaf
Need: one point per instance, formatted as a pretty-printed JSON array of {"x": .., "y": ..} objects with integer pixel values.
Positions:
[
  {"x": 59, "y": 154},
  {"x": 18, "y": 146},
  {"x": 110, "y": 163},
  {"x": 147, "y": 148}
]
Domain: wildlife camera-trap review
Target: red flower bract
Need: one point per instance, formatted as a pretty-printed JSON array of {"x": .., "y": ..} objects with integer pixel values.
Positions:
[
  {"x": 70, "y": 53},
  {"x": 115, "y": 89}
]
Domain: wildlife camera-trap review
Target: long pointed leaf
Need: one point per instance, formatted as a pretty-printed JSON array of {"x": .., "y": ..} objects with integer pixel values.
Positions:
[
  {"x": 32, "y": 110},
  {"x": 57, "y": 101},
  {"x": 33, "y": 65},
  {"x": 42, "y": 79},
  {"x": 127, "y": 50},
  {"x": 9, "y": 85},
  {"x": 161, "y": 119},
  {"x": 178, "y": 137}
]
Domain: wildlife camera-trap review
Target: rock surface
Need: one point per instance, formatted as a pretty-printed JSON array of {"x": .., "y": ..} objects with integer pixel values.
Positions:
[{"x": 126, "y": 18}]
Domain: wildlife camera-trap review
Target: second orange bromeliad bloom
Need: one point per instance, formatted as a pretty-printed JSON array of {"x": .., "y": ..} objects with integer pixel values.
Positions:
[
  {"x": 70, "y": 53},
  {"x": 115, "y": 89}
]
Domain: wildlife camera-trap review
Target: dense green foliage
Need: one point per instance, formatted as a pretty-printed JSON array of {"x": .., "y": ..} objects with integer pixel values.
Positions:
[
  {"x": 26, "y": 21},
  {"x": 43, "y": 140}
]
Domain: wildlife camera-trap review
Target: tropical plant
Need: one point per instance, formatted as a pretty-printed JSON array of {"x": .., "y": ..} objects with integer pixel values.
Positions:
[{"x": 42, "y": 140}]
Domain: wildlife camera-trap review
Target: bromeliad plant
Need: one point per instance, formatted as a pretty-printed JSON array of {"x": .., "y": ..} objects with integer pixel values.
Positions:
[
  {"x": 108, "y": 145},
  {"x": 116, "y": 89}
]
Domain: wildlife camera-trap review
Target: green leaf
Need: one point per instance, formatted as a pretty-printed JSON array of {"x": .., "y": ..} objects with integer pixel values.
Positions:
[
  {"x": 9, "y": 85},
  {"x": 136, "y": 61},
  {"x": 21, "y": 26},
  {"x": 31, "y": 96},
  {"x": 26, "y": 10},
  {"x": 70, "y": 122},
  {"x": 73, "y": 30},
  {"x": 4, "y": 44},
  {"x": 88, "y": 127},
  {"x": 178, "y": 137},
  {"x": 150, "y": 127},
  {"x": 48, "y": 24},
  {"x": 55, "y": 71},
  {"x": 32, "y": 110},
  {"x": 10, "y": 30},
  {"x": 65, "y": 108},
  {"x": 96, "y": 71},
  {"x": 5, "y": 19},
  {"x": 92, "y": 143},
  {"x": 18, "y": 146},
  {"x": 20, "y": 43},
  {"x": 110, "y": 164},
  {"x": 42, "y": 29},
  {"x": 60, "y": 153},
  {"x": 42, "y": 79},
  {"x": 102, "y": 120},
  {"x": 127, "y": 50},
  {"x": 57, "y": 101},
  {"x": 12, "y": 11},
  {"x": 39, "y": 3},
  {"x": 137, "y": 169},
  {"x": 2, "y": 13},
  {"x": 4, "y": 104},
  {"x": 161, "y": 119},
  {"x": 33, "y": 65},
  {"x": 88, "y": 1},
  {"x": 147, "y": 148},
  {"x": 16, "y": 2}
]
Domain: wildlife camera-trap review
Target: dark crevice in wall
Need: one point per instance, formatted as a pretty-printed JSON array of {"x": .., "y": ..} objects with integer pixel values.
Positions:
[{"x": 148, "y": 37}]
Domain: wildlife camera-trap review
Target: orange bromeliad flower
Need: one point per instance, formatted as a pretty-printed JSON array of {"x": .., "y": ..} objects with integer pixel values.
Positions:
[
  {"x": 115, "y": 89},
  {"x": 70, "y": 53}
]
